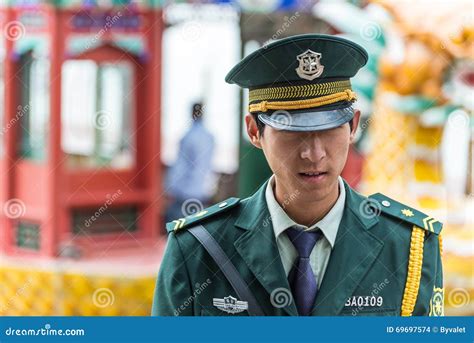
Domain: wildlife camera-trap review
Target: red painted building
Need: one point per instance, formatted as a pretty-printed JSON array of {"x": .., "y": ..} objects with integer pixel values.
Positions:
[{"x": 80, "y": 145}]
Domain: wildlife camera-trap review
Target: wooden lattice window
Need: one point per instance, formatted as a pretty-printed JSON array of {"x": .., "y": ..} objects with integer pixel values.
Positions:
[{"x": 28, "y": 235}]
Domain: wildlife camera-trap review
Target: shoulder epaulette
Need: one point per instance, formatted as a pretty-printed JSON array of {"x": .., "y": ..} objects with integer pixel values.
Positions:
[
  {"x": 182, "y": 223},
  {"x": 393, "y": 208}
]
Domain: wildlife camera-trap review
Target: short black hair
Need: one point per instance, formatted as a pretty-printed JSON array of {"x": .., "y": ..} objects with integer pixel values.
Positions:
[
  {"x": 261, "y": 125},
  {"x": 197, "y": 110}
]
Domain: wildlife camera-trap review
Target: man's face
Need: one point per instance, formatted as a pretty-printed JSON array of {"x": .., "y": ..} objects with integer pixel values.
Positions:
[{"x": 306, "y": 162}]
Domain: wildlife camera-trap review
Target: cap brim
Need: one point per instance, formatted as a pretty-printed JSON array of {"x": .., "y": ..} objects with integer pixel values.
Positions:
[{"x": 307, "y": 121}]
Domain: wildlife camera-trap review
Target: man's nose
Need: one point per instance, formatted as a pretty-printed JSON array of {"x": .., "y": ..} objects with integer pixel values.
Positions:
[{"x": 313, "y": 149}]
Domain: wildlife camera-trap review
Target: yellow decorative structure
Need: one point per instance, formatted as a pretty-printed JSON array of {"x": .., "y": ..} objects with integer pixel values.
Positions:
[
  {"x": 48, "y": 291},
  {"x": 405, "y": 155},
  {"x": 391, "y": 134}
]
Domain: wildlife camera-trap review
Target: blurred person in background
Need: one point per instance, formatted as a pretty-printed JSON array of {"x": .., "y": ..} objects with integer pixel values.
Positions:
[{"x": 188, "y": 182}]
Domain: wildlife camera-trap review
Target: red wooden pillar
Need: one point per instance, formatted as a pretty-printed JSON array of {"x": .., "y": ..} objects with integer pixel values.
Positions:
[
  {"x": 150, "y": 151},
  {"x": 11, "y": 120},
  {"x": 55, "y": 210}
]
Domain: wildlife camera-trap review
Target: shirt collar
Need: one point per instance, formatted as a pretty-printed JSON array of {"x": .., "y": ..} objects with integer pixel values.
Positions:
[{"x": 329, "y": 224}]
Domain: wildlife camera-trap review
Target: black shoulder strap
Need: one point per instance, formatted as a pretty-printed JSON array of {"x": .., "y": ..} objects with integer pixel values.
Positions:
[{"x": 226, "y": 266}]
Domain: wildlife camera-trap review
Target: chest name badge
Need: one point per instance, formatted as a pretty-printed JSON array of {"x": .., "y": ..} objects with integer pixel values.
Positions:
[{"x": 365, "y": 301}]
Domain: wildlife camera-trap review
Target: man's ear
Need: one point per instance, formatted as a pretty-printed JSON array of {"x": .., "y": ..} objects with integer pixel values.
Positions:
[
  {"x": 252, "y": 131},
  {"x": 355, "y": 125}
]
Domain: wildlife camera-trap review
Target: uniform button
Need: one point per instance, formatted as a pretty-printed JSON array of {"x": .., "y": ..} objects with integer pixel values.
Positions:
[
  {"x": 222, "y": 204},
  {"x": 386, "y": 203}
]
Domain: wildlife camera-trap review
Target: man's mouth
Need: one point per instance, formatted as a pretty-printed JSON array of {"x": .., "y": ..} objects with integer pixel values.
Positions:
[
  {"x": 313, "y": 177},
  {"x": 315, "y": 173}
]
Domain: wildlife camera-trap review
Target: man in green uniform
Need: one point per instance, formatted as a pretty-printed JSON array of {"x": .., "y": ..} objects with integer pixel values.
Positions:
[{"x": 305, "y": 243}]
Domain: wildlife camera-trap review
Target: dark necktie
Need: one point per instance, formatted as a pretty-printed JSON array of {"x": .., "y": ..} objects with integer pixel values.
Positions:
[{"x": 302, "y": 280}]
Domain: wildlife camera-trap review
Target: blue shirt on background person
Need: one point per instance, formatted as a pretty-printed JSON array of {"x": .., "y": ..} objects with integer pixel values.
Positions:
[{"x": 186, "y": 180}]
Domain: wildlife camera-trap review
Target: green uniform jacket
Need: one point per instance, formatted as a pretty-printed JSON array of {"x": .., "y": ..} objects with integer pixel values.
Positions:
[{"x": 366, "y": 274}]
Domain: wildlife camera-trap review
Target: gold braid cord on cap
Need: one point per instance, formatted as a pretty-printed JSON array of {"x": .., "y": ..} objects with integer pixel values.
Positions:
[
  {"x": 302, "y": 91},
  {"x": 415, "y": 264},
  {"x": 347, "y": 95}
]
